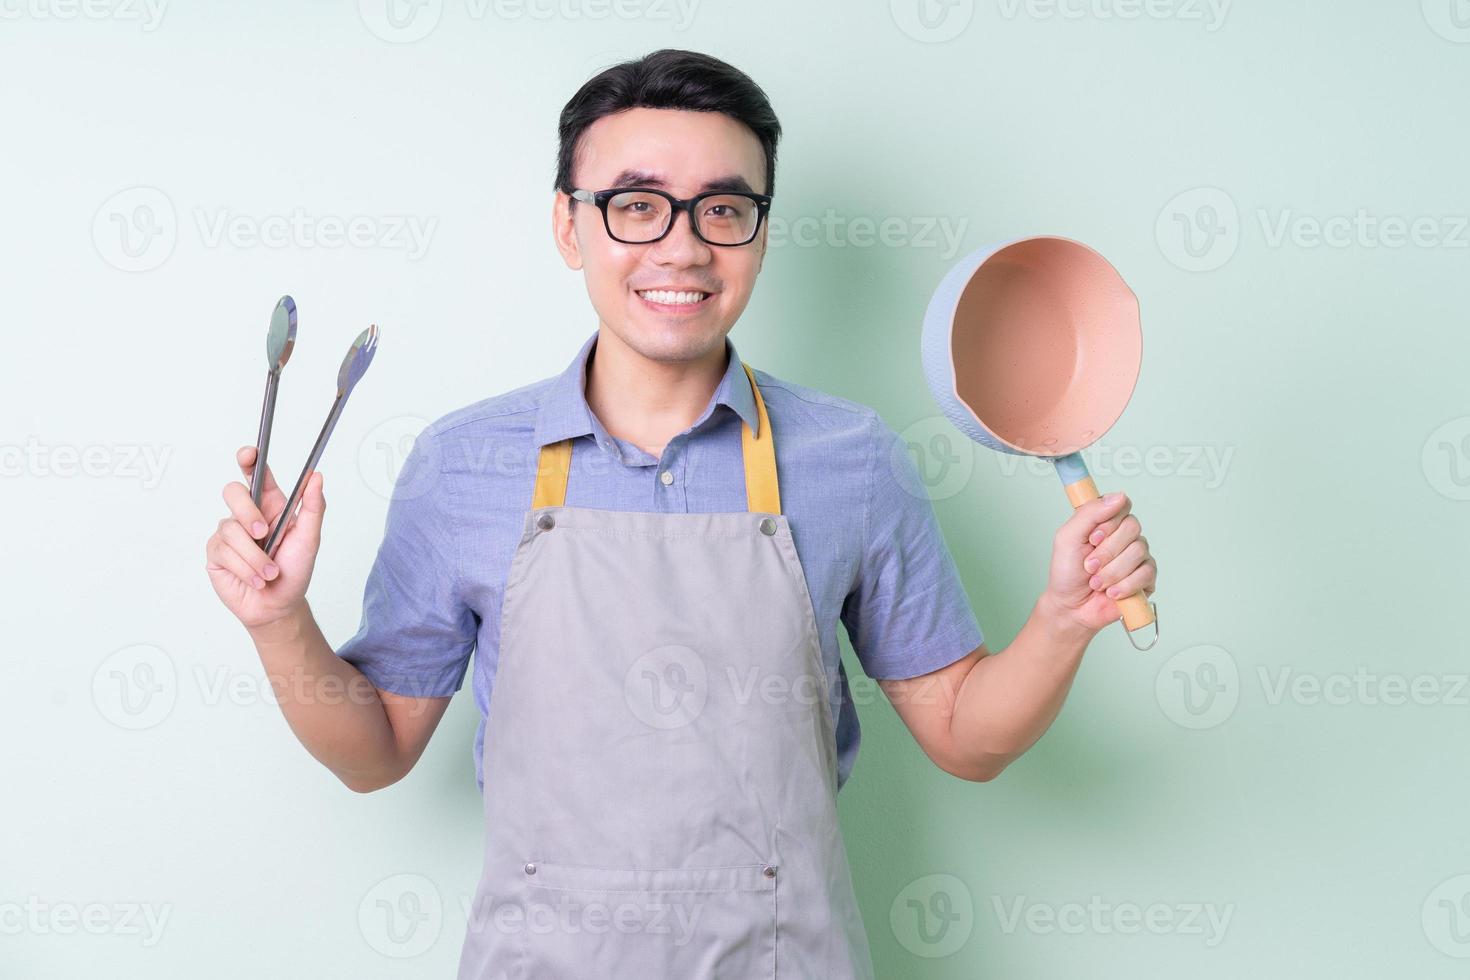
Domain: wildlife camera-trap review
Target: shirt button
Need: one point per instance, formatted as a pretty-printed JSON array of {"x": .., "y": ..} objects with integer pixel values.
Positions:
[
  {"x": 546, "y": 522},
  {"x": 767, "y": 526},
  {"x": 666, "y": 478}
]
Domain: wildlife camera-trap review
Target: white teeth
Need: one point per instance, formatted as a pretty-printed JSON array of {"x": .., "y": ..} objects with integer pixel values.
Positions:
[{"x": 671, "y": 297}]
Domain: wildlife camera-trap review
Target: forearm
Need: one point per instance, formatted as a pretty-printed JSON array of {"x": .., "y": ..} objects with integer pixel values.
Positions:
[
  {"x": 1009, "y": 699},
  {"x": 332, "y": 708}
]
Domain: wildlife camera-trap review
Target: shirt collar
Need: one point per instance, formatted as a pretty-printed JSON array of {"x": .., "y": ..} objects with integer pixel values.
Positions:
[{"x": 564, "y": 413}]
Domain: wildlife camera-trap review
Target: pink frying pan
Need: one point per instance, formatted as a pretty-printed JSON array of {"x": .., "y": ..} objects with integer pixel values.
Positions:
[{"x": 1033, "y": 348}]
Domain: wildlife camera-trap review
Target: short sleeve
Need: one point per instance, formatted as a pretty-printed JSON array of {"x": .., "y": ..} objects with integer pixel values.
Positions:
[
  {"x": 908, "y": 613},
  {"x": 416, "y": 634}
]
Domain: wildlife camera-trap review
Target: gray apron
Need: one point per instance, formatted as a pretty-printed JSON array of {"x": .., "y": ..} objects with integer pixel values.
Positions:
[{"x": 660, "y": 779}]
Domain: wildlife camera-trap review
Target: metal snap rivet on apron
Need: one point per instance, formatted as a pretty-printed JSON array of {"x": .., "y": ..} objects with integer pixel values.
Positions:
[
  {"x": 546, "y": 522},
  {"x": 769, "y": 871},
  {"x": 768, "y": 525},
  {"x": 530, "y": 869},
  {"x": 666, "y": 478}
]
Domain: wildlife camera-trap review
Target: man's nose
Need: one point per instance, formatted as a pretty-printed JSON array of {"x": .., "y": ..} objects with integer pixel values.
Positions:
[{"x": 681, "y": 246}]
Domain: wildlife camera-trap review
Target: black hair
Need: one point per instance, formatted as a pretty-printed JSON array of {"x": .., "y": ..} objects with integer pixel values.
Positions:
[{"x": 667, "y": 79}]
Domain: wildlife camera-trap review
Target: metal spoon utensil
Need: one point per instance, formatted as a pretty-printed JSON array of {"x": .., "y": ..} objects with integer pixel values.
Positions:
[
  {"x": 354, "y": 366},
  {"x": 278, "y": 345}
]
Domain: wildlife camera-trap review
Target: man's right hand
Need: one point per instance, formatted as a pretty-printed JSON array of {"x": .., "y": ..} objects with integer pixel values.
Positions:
[{"x": 258, "y": 589}]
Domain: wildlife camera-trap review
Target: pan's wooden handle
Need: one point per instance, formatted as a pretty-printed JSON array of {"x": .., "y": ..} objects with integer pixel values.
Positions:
[{"x": 1136, "y": 609}]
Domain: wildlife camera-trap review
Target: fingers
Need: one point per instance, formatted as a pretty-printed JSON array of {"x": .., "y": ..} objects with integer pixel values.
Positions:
[
  {"x": 243, "y": 509},
  {"x": 1141, "y": 579},
  {"x": 308, "y": 526},
  {"x": 221, "y": 555},
  {"x": 257, "y": 564},
  {"x": 1127, "y": 531},
  {"x": 1106, "y": 528},
  {"x": 271, "y": 497},
  {"x": 1110, "y": 576},
  {"x": 1085, "y": 519}
]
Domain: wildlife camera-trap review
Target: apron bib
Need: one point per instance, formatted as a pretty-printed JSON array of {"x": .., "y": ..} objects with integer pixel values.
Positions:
[{"x": 660, "y": 778}]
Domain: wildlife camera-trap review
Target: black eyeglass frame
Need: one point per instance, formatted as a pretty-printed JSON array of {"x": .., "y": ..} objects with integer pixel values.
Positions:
[{"x": 600, "y": 198}]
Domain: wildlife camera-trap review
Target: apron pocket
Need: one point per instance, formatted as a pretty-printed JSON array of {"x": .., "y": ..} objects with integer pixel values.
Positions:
[{"x": 638, "y": 924}]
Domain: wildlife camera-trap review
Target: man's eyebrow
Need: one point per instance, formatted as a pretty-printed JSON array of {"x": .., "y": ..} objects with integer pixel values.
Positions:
[{"x": 645, "y": 178}]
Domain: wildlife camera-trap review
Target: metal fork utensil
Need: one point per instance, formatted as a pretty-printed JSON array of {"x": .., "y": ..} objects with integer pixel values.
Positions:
[{"x": 354, "y": 366}]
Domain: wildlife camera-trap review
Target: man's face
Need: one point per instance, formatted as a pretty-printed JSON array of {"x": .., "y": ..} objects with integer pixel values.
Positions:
[{"x": 682, "y": 153}]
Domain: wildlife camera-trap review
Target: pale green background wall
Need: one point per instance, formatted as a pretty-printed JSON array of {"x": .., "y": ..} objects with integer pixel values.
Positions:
[{"x": 1302, "y": 406}]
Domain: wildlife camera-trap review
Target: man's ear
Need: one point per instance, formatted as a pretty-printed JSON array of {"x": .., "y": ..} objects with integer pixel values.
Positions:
[{"x": 563, "y": 230}]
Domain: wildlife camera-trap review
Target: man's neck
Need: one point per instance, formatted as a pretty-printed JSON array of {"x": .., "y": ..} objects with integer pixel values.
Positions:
[{"x": 644, "y": 401}]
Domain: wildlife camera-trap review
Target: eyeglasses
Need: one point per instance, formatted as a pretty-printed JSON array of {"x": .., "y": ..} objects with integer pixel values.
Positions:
[{"x": 640, "y": 215}]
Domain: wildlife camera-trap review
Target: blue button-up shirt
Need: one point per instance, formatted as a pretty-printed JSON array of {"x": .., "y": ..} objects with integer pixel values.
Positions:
[{"x": 860, "y": 517}]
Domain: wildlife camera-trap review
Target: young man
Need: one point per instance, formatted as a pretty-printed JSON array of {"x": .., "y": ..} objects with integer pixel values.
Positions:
[{"x": 650, "y": 554}]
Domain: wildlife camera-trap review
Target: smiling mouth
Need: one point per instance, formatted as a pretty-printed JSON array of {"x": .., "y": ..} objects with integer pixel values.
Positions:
[{"x": 674, "y": 299}]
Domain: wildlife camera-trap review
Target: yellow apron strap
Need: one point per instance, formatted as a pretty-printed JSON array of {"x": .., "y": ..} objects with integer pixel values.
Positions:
[
  {"x": 762, "y": 491},
  {"x": 552, "y": 467}
]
